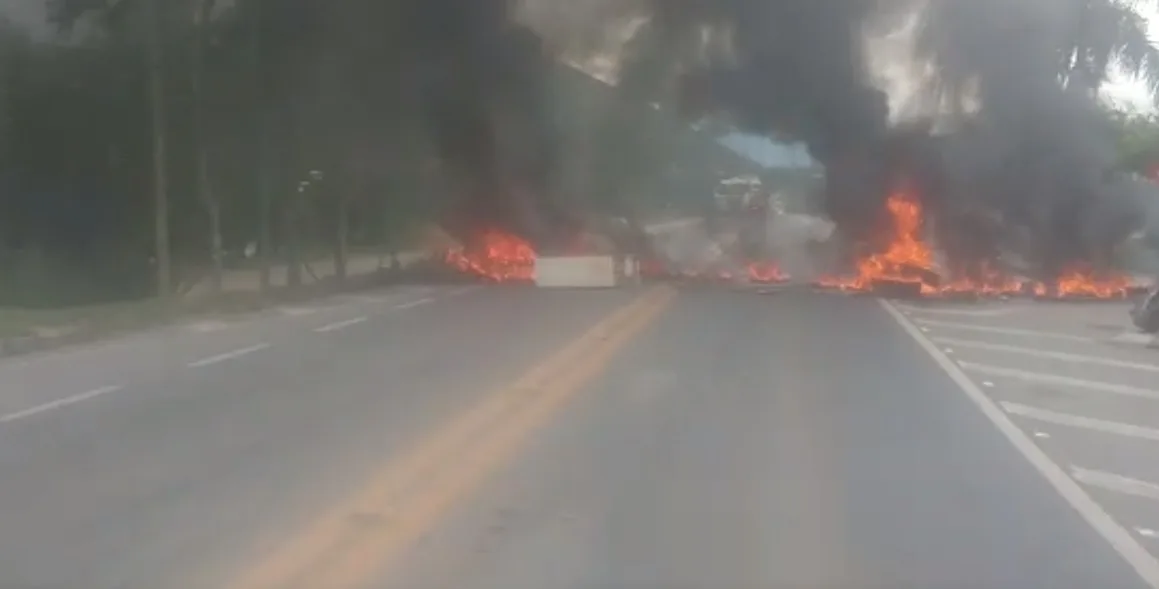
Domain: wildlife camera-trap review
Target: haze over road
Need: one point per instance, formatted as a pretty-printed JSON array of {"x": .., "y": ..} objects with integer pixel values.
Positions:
[{"x": 513, "y": 438}]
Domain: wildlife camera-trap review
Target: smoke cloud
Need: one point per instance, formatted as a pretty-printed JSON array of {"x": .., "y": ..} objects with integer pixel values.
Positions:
[{"x": 1020, "y": 149}]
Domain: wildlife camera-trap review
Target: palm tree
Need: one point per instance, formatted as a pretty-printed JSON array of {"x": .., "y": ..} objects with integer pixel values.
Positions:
[
  {"x": 1079, "y": 44},
  {"x": 1106, "y": 33}
]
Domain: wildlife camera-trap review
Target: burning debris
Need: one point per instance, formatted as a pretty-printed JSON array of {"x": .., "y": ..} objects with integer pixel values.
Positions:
[
  {"x": 906, "y": 267},
  {"x": 495, "y": 256}
]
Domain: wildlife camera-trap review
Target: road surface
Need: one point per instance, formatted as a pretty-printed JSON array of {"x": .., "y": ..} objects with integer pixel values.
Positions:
[{"x": 509, "y": 438}]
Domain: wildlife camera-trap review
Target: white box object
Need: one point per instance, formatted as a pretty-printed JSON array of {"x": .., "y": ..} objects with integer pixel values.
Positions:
[{"x": 585, "y": 271}]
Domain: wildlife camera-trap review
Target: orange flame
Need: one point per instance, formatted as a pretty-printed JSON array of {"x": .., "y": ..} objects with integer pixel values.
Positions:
[
  {"x": 909, "y": 259},
  {"x": 496, "y": 256},
  {"x": 906, "y": 257},
  {"x": 766, "y": 272}
]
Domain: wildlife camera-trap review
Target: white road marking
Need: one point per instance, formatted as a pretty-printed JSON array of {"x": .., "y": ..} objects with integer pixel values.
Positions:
[
  {"x": 1135, "y": 338},
  {"x": 1082, "y": 422},
  {"x": 909, "y": 309},
  {"x": 207, "y": 326},
  {"x": 59, "y": 403},
  {"x": 298, "y": 311},
  {"x": 340, "y": 324},
  {"x": 1064, "y": 356},
  {"x": 1002, "y": 330},
  {"x": 985, "y": 383},
  {"x": 464, "y": 290},
  {"x": 414, "y": 303},
  {"x": 1056, "y": 379},
  {"x": 1042, "y": 435},
  {"x": 1116, "y": 535},
  {"x": 227, "y": 356},
  {"x": 1147, "y": 532},
  {"x": 949, "y": 350},
  {"x": 372, "y": 299},
  {"x": 1116, "y": 482}
]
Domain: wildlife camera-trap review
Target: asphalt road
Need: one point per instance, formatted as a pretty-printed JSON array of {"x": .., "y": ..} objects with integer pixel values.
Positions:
[{"x": 513, "y": 438}]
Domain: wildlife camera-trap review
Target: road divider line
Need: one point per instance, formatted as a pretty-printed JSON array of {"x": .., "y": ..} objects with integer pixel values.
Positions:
[
  {"x": 238, "y": 353},
  {"x": 1064, "y": 356},
  {"x": 1082, "y": 422},
  {"x": 340, "y": 324},
  {"x": 85, "y": 396},
  {"x": 1116, "y": 483},
  {"x": 1004, "y": 330},
  {"x": 414, "y": 303},
  {"x": 412, "y": 494},
  {"x": 1120, "y": 539},
  {"x": 1059, "y": 380}
]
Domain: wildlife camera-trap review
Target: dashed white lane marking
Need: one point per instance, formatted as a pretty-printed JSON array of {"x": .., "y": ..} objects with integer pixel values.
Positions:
[
  {"x": 414, "y": 303},
  {"x": 1147, "y": 532},
  {"x": 1064, "y": 356},
  {"x": 1116, "y": 483},
  {"x": 1081, "y": 421},
  {"x": 298, "y": 311},
  {"x": 909, "y": 310},
  {"x": 59, "y": 403},
  {"x": 463, "y": 290},
  {"x": 207, "y": 326},
  {"x": 371, "y": 299},
  {"x": 1056, "y": 379},
  {"x": 1002, "y": 330},
  {"x": 1042, "y": 435},
  {"x": 1116, "y": 535},
  {"x": 227, "y": 356},
  {"x": 340, "y": 324}
]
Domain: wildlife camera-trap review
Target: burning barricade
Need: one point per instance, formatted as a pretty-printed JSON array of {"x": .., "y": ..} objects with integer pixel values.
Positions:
[{"x": 907, "y": 267}]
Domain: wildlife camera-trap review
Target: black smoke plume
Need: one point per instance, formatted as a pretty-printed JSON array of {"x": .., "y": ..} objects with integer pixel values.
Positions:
[{"x": 1027, "y": 161}]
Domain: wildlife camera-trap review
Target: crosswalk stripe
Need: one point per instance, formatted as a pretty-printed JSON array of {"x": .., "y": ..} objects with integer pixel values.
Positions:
[
  {"x": 1002, "y": 330},
  {"x": 1064, "y": 356},
  {"x": 1081, "y": 422},
  {"x": 1056, "y": 379},
  {"x": 1116, "y": 482}
]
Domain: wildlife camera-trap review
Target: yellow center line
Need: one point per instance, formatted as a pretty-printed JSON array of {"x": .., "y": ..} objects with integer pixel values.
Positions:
[{"x": 412, "y": 495}]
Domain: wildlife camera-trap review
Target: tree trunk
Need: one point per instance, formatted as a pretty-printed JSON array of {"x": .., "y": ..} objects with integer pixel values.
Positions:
[
  {"x": 263, "y": 142},
  {"x": 156, "y": 89},
  {"x": 292, "y": 238},
  {"x": 201, "y": 149},
  {"x": 341, "y": 238}
]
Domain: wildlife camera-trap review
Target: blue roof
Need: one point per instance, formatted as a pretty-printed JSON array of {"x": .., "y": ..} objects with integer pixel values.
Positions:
[{"x": 768, "y": 153}]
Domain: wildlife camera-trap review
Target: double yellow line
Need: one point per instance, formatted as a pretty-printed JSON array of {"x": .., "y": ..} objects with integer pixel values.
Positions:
[{"x": 413, "y": 494}]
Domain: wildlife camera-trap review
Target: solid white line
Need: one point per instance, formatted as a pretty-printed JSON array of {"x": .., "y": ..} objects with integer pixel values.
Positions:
[
  {"x": 1119, "y": 537},
  {"x": 340, "y": 324},
  {"x": 980, "y": 345},
  {"x": 59, "y": 403},
  {"x": 962, "y": 312},
  {"x": 1004, "y": 330},
  {"x": 1116, "y": 482},
  {"x": 1082, "y": 422},
  {"x": 227, "y": 356},
  {"x": 1056, "y": 379},
  {"x": 414, "y": 303}
]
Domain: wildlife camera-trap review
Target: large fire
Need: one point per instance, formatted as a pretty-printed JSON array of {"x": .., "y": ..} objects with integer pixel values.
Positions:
[
  {"x": 908, "y": 259},
  {"x": 495, "y": 256}
]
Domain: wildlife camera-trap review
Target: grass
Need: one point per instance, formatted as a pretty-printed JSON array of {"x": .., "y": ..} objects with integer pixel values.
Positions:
[{"x": 15, "y": 321}]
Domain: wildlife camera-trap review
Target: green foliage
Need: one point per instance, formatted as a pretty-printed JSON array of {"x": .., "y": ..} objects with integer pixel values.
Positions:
[{"x": 1138, "y": 140}]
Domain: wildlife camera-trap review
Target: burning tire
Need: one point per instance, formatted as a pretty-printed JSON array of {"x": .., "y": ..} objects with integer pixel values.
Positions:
[{"x": 1145, "y": 314}]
